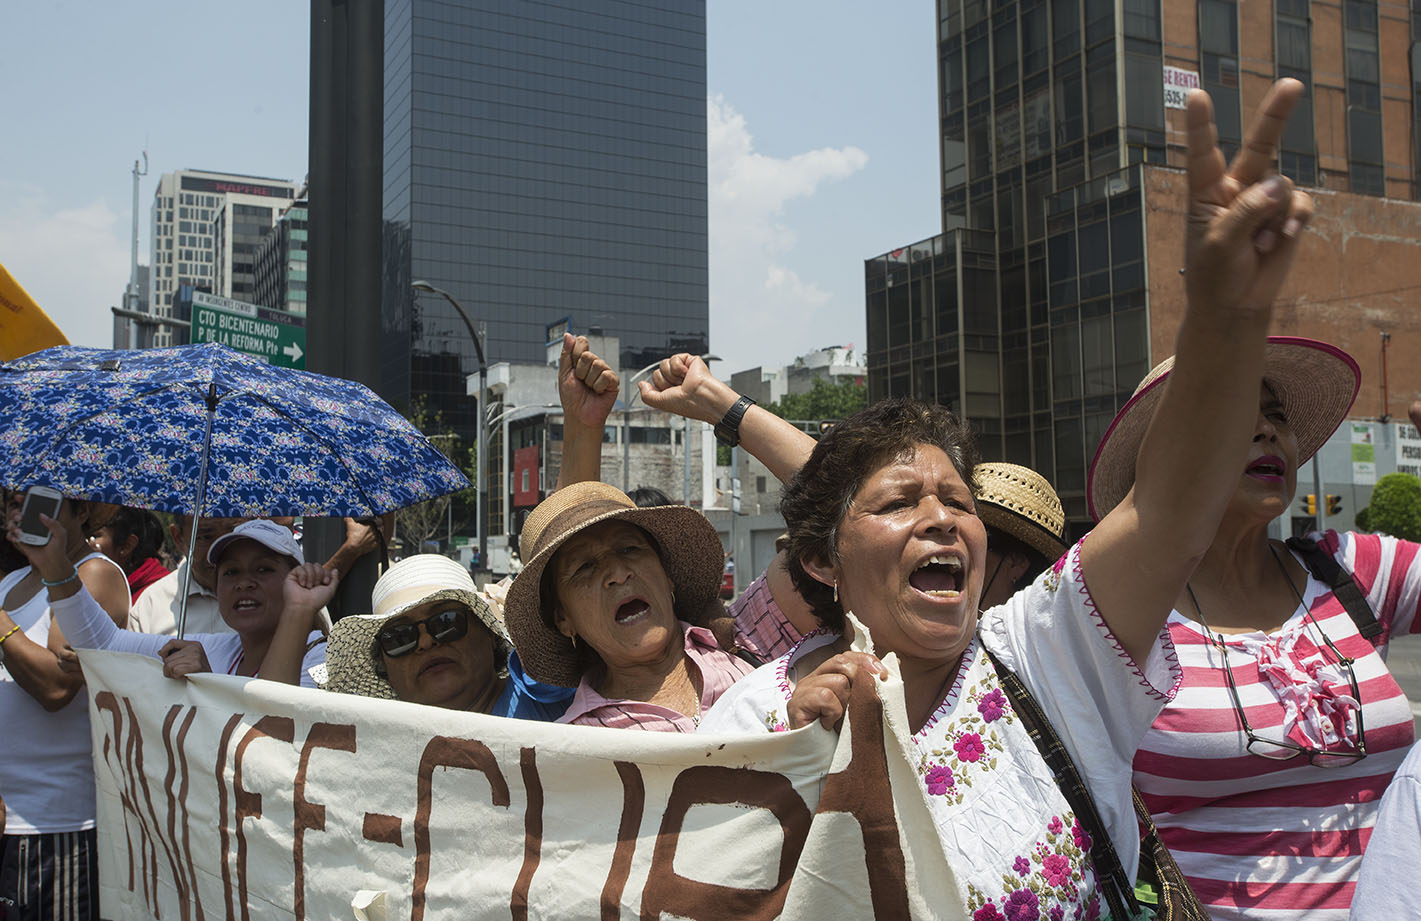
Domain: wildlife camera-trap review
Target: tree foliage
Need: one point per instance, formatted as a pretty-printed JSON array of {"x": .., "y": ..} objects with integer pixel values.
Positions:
[
  {"x": 825, "y": 400},
  {"x": 1396, "y": 507},
  {"x": 415, "y": 524}
]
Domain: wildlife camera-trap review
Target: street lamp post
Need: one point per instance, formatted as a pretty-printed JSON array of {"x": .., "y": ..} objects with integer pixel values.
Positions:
[
  {"x": 479, "y": 461},
  {"x": 631, "y": 395}
]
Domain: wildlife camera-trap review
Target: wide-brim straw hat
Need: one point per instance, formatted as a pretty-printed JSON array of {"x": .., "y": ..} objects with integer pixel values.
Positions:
[
  {"x": 413, "y": 581},
  {"x": 690, "y": 552},
  {"x": 1316, "y": 382},
  {"x": 1018, "y": 501}
]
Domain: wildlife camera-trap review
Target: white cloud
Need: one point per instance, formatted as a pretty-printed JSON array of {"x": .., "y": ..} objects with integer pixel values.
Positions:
[
  {"x": 763, "y": 312},
  {"x": 72, "y": 260}
]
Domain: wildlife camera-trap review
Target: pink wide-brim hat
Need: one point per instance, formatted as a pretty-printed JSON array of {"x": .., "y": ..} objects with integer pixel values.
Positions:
[{"x": 1316, "y": 381}]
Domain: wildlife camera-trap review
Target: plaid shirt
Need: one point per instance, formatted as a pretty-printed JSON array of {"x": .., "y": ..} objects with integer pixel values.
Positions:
[
  {"x": 760, "y": 627},
  {"x": 719, "y": 670}
]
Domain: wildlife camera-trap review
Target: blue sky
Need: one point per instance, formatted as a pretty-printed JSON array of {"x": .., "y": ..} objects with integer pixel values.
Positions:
[{"x": 822, "y": 145}]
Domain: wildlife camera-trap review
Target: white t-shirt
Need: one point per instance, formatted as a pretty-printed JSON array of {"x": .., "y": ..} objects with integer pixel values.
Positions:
[
  {"x": 1004, "y": 824},
  {"x": 1385, "y": 889},
  {"x": 46, "y": 770},
  {"x": 86, "y": 626}
]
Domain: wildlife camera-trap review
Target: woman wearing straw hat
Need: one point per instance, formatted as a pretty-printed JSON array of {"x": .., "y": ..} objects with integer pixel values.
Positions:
[
  {"x": 1264, "y": 774},
  {"x": 434, "y": 640},
  {"x": 1026, "y": 527},
  {"x": 610, "y": 601}
]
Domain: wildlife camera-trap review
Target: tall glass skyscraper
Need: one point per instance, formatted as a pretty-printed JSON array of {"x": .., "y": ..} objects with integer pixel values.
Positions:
[{"x": 544, "y": 161}]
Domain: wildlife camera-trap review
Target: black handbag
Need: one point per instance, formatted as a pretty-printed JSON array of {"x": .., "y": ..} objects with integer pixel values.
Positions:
[{"x": 1158, "y": 890}]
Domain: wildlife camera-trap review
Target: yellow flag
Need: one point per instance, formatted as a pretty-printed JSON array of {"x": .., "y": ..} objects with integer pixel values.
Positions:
[{"x": 24, "y": 327}]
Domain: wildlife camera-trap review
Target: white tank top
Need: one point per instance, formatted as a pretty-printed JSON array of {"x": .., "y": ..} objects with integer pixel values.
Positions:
[{"x": 46, "y": 771}]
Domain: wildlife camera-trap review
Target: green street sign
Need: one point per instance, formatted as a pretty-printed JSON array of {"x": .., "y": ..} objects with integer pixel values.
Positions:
[{"x": 276, "y": 337}]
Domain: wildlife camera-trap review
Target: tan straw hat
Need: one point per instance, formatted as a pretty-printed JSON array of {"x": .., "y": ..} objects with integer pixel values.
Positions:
[
  {"x": 1317, "y": 383},
  {"x": 1018, "y": 501},
  {"x": 413, "y": 581},
  {"x": 690, "y": 553}
]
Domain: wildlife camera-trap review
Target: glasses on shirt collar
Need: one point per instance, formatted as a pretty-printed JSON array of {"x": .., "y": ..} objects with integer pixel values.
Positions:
[
  {"x": 443, "y": 627},
  {"x": 1282, "y": 750}
]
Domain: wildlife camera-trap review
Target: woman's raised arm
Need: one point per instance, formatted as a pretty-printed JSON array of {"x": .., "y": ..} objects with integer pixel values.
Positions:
[{"x": 1242, "y": 235}]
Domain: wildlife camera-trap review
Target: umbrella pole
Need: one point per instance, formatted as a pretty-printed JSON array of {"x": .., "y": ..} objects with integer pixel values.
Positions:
[{"x": 201, "y": 498}]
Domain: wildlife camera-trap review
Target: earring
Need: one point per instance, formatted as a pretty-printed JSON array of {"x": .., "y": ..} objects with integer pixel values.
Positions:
[
  {"x": 836, "y": 591},
  {"x": 573, "y": 640}
]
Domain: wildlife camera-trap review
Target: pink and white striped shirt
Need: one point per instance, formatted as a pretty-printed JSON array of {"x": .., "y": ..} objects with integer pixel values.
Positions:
[
  {"x": 718, "y": 668},
  {"x": 1261, "y": 838}
]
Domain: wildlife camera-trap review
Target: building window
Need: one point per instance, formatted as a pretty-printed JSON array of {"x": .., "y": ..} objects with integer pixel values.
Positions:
[
  {"x": 1297, "y": 152},
  {"x": 1364, "y": 115},
  {"x": 1416, "y": 98},
  {"x": 525, "y": 486},
  {"x": 1218, "y": 61}
]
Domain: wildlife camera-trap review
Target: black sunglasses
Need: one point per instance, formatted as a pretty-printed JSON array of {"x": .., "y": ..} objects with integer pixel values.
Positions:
[
  {"x": 1283, "y": 749},
  {"x": 444, "y": 627}
]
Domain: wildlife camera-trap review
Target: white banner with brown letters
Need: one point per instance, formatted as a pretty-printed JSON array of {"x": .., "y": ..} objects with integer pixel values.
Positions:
[{"x": 227, "y": 799}]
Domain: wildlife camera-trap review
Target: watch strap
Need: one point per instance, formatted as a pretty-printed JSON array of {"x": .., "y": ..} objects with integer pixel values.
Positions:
[{"x": 727, "y": 430}]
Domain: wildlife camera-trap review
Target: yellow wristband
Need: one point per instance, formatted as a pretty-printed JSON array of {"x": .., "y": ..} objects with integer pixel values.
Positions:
[{"x": 7, "y": 635}]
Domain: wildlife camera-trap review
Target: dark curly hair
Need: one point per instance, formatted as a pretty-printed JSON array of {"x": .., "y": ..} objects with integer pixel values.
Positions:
[{"x": 816, "y": 500}]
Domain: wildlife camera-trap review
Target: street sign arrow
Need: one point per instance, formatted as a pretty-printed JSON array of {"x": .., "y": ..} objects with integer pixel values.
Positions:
[{"x": 293, "y": 351}]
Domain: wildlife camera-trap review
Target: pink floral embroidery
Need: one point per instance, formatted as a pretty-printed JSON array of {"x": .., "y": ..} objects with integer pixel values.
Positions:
[
  {"x": 969, "y": 747},
  {"x": 1092, "y": 909},
  {"x": 1057, "y": 913},
  {"x": 987, "y": 912},
  {"x": 1054, "y": 826},
  {"x": 1080, "y": 835},
  {"x": 939, "y": 780},
  {"x": 992, "y": 705},
  {"x": 1022, "y": 866},
  {"x": 1056, "y": 869}
]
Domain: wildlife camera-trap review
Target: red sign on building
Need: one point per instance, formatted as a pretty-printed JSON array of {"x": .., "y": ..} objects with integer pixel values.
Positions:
[{"x": 524, "y": 474}]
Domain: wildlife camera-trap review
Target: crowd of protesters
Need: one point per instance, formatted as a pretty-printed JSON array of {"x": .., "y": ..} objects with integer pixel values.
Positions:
[{"x": 1235, "y": 682}]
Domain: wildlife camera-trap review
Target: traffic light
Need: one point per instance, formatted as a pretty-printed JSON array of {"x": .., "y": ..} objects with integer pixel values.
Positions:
[
  {"x": 1334, "y": 505},
  {"x": 1310, "y": 504}
]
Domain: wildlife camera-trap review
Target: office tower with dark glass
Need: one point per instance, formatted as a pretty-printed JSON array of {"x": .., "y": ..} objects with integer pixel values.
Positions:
[
  {"x": 543, "y": 162},
  {"x": 1055, "y": 284}
]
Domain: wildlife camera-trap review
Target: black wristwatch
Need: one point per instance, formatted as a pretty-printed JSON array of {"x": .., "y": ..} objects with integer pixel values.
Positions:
[{"x": 727, "y": 430}]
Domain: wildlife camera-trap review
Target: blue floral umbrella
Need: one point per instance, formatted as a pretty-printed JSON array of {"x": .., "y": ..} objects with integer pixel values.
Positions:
[{"x": 203, "y": 430}]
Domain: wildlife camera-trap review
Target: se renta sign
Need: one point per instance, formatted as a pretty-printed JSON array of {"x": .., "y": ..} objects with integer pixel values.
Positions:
[
  {"x": 1177, "y": 84},
  {"x": 274, "y": 336}
]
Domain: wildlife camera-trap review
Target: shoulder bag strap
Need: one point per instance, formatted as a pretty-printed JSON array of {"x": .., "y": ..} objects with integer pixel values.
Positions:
[
  {"x": 1118, "y": 886},
  {"x": 1325, "y": 569}
]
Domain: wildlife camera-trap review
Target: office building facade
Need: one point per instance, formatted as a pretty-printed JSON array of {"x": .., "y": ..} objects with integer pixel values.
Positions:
[
  {"x": 545, "y": 164},
  {"x": 279, "y": 266},
  {"x": 1054, "y": 286},
  {"x": 188, "y": 208}
]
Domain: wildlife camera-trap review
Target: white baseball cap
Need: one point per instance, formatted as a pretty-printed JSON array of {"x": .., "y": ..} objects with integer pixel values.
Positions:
[{"x": 267, "y": 533}]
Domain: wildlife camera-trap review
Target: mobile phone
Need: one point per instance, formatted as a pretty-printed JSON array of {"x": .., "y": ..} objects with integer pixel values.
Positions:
[{"x": 40, "y": 500}]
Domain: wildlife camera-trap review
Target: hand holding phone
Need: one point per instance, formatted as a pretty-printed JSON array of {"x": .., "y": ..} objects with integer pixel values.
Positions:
[{"x": 39, "y": 500}]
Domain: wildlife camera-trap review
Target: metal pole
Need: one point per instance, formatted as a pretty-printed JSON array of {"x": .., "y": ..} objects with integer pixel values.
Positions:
[
  {"x": 507, "y": 482},
  {"x": 735, "y": 513},
  {"x": 1321, "y": 503},
  {"x": 480, "y": 464},
  {"x": 197, "y": 508},
  {"x": 686, "y": 449},
  {"x": 626, "y": 436}
]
